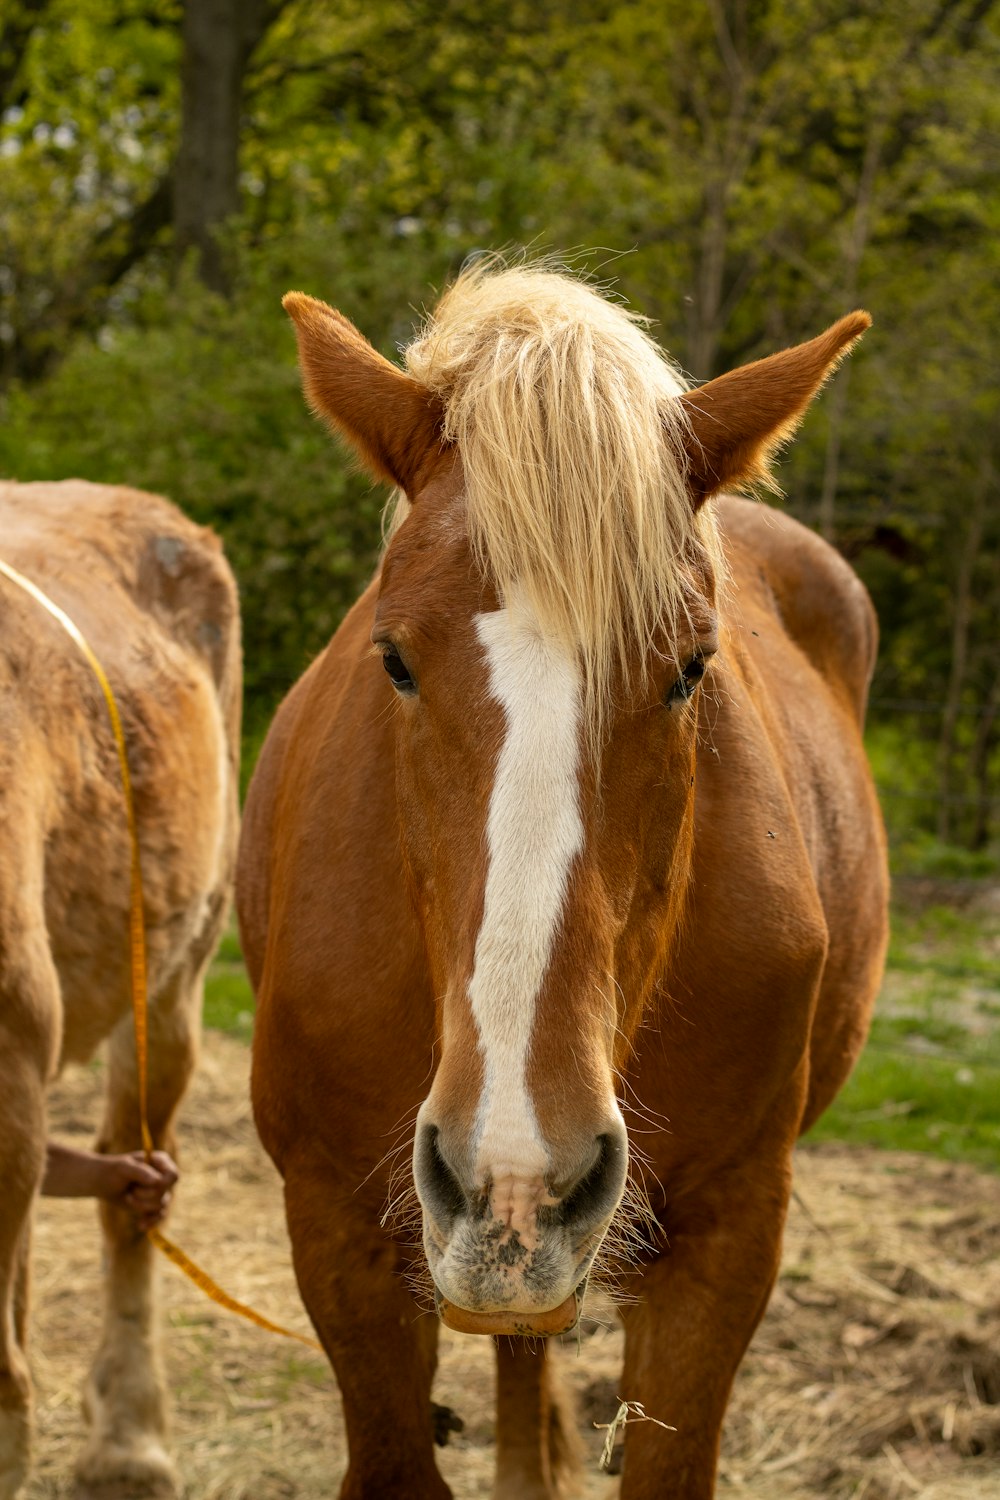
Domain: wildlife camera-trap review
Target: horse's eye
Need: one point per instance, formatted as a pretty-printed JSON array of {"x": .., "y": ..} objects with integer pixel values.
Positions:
[
  {"x": 687, "y": 681},
  {"x": 398, "y": 671}
]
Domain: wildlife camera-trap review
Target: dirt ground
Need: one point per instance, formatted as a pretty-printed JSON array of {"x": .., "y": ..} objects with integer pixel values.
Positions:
[{"x": 875, "y": 1376}]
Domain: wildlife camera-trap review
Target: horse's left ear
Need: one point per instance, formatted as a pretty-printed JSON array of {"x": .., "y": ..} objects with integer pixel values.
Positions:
[
  {"x": 391, "y": 422},
  {"x": 738, "y": 421}
]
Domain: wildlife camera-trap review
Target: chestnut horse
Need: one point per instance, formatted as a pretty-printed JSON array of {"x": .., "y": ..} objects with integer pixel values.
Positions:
[
  {"x": 590, "y": 829},
  {"x": 153, "y": 595}
]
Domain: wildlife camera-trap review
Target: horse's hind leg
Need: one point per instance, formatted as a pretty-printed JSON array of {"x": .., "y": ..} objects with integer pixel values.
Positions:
[
  {"x": 538, "y": 1447},
  {"x": 29, "y": 1029},
  {"x": 125, "y": 1401}
]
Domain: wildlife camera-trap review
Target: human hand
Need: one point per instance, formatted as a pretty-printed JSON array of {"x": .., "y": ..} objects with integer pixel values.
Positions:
[{"x": 141, "y": 1185}]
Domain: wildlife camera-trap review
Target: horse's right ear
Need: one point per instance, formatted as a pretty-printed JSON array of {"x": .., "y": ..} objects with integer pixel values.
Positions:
[
  {"x": 737, "y": 422},
  {"x": 392, "y": 422}
]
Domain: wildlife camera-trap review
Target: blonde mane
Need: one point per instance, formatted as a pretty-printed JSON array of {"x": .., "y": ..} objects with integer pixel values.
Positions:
[{"x": 566, "y": 415}]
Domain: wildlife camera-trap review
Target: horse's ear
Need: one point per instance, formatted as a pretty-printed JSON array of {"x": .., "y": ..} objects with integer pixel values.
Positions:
[
  {"x": 738, "y": 421},
  {"x": 392, "y": 422}
]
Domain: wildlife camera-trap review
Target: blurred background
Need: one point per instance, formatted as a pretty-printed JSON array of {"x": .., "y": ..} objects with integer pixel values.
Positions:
[{"x": 742, "y": 171}]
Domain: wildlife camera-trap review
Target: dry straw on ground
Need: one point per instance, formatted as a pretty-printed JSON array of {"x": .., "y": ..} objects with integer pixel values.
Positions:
[{"x": 875, "y": 1376}]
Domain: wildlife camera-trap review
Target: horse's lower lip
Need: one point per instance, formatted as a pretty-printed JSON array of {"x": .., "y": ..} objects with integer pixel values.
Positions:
[{"x": 513, "y": 1324}]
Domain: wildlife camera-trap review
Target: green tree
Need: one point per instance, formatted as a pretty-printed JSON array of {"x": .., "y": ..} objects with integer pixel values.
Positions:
[{"x": 765, "y": 166}]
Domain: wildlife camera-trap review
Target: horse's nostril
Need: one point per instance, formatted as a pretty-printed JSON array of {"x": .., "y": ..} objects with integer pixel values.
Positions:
[
  {"x": 596, "y": 1196},
  {"x": 439, "y": 1189}
]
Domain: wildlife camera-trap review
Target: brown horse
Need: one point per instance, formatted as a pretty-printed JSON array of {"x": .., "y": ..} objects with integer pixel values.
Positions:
[
  {"x": 589, "y": 831},
  {"x": 152, "y": 594}
]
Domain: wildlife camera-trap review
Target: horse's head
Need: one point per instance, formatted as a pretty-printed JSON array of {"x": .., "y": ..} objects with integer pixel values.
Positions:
[{"x": 545, "y": 617}]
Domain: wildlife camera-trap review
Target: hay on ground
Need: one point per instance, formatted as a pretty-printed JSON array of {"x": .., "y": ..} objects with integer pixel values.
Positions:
[{"x": 875, "y": 1376}]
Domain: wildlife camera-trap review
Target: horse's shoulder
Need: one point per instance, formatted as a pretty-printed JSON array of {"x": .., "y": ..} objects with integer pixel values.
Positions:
[{"x": 781, "y": 567}]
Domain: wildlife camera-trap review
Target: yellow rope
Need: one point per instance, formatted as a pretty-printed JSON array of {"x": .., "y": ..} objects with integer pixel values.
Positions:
[
  {"x": 137, "y": 931},
  {"x": 212, "y": 1289}
]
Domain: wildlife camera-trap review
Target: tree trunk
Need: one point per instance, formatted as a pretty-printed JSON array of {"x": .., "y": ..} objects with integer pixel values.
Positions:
[
  {"x": 960, "y": 634},
  {"x": 982, "y": 752},
  {"x": 17, "y": 25},
  {"x": 836, "y": 411},
  {"x": 725, "y": 139},
  {"x": 856, "y": 245},
  {"x": 219, "y": 37},
  {"x": 985, "y": 787}
]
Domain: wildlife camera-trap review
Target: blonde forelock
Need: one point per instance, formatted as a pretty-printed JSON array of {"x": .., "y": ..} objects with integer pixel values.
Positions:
[{"x": 567, "y": 419}]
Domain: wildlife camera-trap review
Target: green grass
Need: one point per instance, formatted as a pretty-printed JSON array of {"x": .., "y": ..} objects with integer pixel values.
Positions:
[
  {"x": 929, "y": 1079},
  {"x": 948, "y": 1106},
  {"x": 228, "y": 996}
]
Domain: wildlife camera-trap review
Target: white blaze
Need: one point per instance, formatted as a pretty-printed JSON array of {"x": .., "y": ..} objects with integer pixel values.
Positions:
[{"x": 533, "y": 834}]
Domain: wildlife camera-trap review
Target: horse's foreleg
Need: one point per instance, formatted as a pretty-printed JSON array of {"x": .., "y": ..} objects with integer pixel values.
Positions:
[
  {"x": 538, "y": 1448},
  {"x": 699, "y": 1306},
  {"x": 29, "y": 1030},
  {"x": 124, "y": 1398},
  {"x": 382, "y": 1347}
]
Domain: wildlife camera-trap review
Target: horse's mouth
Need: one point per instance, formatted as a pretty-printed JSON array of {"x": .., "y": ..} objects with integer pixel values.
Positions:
[{"x": 548, "y": 1324}]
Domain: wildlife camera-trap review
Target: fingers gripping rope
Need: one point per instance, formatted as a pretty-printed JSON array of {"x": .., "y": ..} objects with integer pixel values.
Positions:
[{"x": 137, "y": 935}]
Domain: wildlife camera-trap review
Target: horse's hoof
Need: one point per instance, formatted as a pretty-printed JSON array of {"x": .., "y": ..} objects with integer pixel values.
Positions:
[{"x": 145, "y": 1472}]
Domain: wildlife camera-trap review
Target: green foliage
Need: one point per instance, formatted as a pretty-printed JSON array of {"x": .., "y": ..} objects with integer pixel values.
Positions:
[
  {"x": 199, "y": 399},
  {"x": 751, "y": 172},
  {"x": 87, "y": 131}
]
